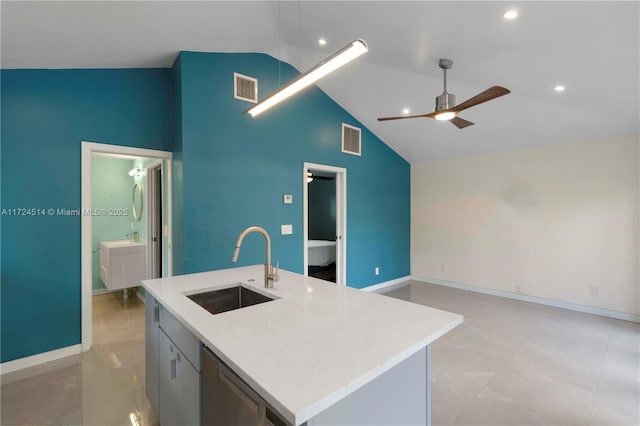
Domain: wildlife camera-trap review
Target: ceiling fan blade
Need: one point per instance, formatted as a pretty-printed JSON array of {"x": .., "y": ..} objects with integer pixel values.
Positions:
[
  {"x": 487, "y": 95},
  {"x": 460, "y": 123},
  {"x": 402, "y": 116}
]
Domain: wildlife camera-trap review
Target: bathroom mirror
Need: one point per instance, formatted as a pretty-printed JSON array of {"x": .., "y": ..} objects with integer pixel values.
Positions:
[{"x": 137, "y": 202}]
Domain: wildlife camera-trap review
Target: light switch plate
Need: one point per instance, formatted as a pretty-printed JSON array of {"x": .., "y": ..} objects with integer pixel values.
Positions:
[
  {"x": 287, "y": 198},
  {"x": 286, "y": 229}
]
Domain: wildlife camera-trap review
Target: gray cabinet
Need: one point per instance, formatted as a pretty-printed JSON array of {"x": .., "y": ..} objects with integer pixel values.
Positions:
[
  {"x": 151, "y": 319},
  {"x": 179, "y": 386},
  {"x": 172, "y": 357}
]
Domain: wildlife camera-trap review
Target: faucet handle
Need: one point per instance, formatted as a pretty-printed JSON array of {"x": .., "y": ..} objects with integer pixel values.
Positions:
[{"x": 276, "y": 277}]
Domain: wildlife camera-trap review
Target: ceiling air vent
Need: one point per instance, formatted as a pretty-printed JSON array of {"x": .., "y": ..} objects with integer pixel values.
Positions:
[
  {"x": 245, "y": 88},
  {"x": 350, "y": 139}
]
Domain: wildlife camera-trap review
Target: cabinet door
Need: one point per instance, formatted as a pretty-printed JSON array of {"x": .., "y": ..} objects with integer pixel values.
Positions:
[
  {"x": 179, "y": 386},
  {"x": 151, "y": 312},
  {"x": 167, "y": 366},
  {"x": 187, "y": 387}
]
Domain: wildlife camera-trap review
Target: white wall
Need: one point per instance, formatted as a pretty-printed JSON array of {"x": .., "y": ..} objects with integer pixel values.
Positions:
[{"x": 553, "y": 220}]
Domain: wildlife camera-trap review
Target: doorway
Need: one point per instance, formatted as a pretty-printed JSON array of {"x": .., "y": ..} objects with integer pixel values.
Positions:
[
  {"x": 324, "y": 219},
  {"x": 91, "y": 151},
  {"x": 155, "y": 231}
]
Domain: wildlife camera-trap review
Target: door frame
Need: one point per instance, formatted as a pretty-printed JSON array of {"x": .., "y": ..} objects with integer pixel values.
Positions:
[
  {"x": 341, "y": 218},
  {"x": 158, "y": 163},
  {"x": 88, "y": 149}
]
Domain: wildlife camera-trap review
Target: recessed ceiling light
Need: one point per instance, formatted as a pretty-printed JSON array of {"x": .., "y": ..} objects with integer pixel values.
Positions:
[
  {"x": 559, "y": 88},
  {"x": 406, "y": 111},
  {"x": 510, "y": 14},
  {"x": 322, "y": 42}
]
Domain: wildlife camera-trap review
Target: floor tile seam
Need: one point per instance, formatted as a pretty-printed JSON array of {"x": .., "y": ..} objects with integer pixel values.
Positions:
[
  {"x": 502, "y": 367},
  {"x": 80, "y": 387},
  {"x": 467, "y": 406},
  {"x": 595, "y": 394},
  {"x": 526, "y": 339}
]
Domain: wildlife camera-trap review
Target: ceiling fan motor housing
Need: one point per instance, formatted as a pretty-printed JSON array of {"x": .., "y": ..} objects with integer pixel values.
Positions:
[{"x": 445, "y": 101}]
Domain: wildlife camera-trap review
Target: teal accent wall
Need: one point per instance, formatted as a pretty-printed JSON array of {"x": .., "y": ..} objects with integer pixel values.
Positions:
[
  {"x": 111, "y": 188},
  {"x": 322, "y": 209},
  {"x": 229, "y": 172},
  {"x": 45, "y": 115},
  {"x": 177, "y": 176},
  {"x": 236, "y": 169}
]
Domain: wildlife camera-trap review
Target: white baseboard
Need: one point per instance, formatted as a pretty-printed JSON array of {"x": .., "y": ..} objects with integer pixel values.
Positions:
[
  {"x": 533, "y": 299},
  {"x": 8, "y": 369},
  {"x": 388, "y": 285},
  {"x": 34, "y": 360}
]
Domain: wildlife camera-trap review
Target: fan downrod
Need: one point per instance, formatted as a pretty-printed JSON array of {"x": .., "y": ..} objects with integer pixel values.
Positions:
[{"x": 446, "y": 100}]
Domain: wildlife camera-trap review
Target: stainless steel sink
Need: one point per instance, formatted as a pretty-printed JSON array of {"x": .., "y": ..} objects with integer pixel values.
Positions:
[{"x": 228, "y": 299}]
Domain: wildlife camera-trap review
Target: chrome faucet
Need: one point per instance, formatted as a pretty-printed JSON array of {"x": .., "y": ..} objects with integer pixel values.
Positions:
[
  {"x": 270, "y": 272},
  {"x": 135, "y": 236}
]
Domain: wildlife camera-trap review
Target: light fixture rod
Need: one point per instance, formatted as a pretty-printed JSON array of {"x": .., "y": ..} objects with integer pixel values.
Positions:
[
  {"x": 327, "y": 66},
  {"x": 445, "y": 64},
  {"x": 445, "y": 79}
]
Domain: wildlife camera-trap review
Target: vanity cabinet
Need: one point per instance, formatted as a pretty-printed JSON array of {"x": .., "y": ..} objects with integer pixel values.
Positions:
[
  {"x": 122, "y": 263},
  {"x": 173, "y": 371}
]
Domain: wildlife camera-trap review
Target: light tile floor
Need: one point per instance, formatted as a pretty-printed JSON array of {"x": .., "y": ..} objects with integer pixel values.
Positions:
[
  {"x": 104, "y": 386},
  {"x": 510, "y": 363},
  {"x": 518, "y": 363}
]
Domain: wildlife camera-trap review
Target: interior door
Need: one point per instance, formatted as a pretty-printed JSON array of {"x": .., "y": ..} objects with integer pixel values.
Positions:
[{"x": 155, "y": 218}]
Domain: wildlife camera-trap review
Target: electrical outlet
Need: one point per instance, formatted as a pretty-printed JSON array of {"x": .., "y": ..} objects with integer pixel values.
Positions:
[
  {"x": 518, "y": 289},
  {"x": 287, "y": 199},
  {"x": 286, "y": 229},
  {"x": 594, "y": 290},
  {"x": 377, "y": 270}
]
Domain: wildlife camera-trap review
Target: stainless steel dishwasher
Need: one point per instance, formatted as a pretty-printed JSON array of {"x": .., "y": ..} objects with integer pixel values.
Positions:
[{"x": 228, "y": 401}]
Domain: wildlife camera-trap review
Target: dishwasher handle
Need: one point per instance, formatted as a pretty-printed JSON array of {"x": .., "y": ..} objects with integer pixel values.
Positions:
[
  {"x": 229, "y": 379},
  {"x": 228, "y": 400}
]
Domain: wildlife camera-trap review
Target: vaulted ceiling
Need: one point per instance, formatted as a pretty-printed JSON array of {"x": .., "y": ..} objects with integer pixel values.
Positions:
[{"x": 592, "y": 48}]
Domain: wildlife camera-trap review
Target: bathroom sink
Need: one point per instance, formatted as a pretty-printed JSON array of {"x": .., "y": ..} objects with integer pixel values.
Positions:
[{"x": 228, "y": 299}]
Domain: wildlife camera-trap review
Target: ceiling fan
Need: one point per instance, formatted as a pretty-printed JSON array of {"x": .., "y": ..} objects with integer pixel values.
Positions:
[{"x": 446, "y": 108}]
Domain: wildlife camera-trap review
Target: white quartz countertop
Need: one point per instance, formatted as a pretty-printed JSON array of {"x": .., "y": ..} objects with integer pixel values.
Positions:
[{"x": 313, "y": 345}]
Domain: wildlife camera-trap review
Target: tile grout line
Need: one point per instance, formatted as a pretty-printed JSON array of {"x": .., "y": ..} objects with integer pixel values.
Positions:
[
  {"x": 595, "y": 393},
  {"x": 80, "y": 387},
  {"x": 513, "y": 352}
]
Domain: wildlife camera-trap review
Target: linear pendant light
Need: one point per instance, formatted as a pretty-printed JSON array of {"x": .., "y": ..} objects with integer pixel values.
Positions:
[{"x": 332, "y": 63}]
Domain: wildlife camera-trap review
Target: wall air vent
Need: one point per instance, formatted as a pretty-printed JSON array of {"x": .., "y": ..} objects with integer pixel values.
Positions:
[
  {"x": 245, "y": 88},
  {"x": 351, "y": 140}
]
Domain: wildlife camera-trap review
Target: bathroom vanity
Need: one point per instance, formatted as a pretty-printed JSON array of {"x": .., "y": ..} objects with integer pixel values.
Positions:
[
  {"x": 122, "y": 263},
  {"x": 303, "y": 352}
]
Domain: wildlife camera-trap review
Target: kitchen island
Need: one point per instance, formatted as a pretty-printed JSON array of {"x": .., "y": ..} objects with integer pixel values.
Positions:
[{"x": 318, "y": 353}]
